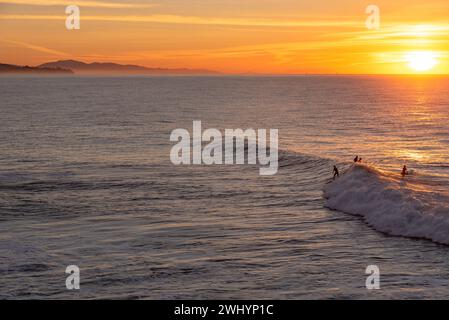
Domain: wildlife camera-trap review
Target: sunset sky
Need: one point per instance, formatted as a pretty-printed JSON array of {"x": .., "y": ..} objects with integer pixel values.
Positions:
[{"x": 233, "y": 36}]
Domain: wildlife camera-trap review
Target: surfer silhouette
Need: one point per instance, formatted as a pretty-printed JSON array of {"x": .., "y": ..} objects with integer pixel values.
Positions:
[
  {"x": 356, "y": 159},
  {"x": 336, "y": 173},
  {"x": 404, "y": 171},
  {"x": 360, "y": 159}
]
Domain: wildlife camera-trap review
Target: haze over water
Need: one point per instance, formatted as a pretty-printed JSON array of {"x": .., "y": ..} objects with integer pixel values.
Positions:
[{"x": 86, "y": 179}]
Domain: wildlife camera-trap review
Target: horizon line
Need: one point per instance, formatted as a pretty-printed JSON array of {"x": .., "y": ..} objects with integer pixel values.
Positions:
[{"x": 217, "y": 73}]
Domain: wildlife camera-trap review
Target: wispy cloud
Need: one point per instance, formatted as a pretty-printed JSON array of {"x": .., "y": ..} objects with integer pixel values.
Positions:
[
  {"x": 176, "y": 19},
  {"x": 405, "y": 31},
  {"x": 37, "y": 48},
  {"x": 81, "y": 3}
]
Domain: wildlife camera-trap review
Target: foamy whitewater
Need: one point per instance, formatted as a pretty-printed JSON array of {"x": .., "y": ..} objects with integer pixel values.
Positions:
[
  {"x": 403, "y": 206},
  {"x": 86, "y": 179}
]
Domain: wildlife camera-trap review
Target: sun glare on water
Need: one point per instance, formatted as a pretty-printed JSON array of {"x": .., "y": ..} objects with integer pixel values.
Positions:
[{"x": 421, "y": 60}]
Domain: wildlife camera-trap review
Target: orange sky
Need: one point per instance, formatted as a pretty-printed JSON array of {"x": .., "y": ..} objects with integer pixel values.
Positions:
[{"x": 235, "y": 36}]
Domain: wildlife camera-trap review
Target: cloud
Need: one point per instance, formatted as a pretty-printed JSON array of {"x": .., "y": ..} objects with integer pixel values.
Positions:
[
  {"x": 176, "y": 19},
  {"x": 81, "y": 3},
  {"x": 37, "y": 48}
]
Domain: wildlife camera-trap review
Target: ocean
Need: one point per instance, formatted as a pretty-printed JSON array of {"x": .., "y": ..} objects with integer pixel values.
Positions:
[{"x": 86, "y": 179}]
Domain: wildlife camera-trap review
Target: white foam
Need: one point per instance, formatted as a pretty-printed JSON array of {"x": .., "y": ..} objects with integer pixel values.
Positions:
[{"x": 391, "y": 204}]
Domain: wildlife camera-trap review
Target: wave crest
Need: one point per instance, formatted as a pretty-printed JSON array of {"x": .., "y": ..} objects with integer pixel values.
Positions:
[{"x": 390, "y": 203}]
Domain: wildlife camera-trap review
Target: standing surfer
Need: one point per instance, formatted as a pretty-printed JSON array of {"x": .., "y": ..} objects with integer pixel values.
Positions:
[{"x": 336, "y": 173}]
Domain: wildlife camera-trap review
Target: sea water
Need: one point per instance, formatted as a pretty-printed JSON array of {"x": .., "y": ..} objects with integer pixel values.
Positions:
[{"x": 86, "y": 180}]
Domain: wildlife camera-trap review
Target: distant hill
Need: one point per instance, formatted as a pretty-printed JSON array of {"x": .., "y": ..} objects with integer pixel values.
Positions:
[
  {"x": 114, "y": 68},
  {"x": 11, "y": 68}
]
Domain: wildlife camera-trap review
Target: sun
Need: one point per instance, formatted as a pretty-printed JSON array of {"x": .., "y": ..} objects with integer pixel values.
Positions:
[{"x": 421, "y": 60}]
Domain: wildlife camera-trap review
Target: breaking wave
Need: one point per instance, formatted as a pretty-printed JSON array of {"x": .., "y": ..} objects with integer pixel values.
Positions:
[{"x": 410, "y": 206}]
